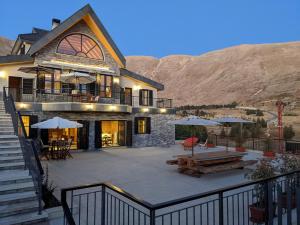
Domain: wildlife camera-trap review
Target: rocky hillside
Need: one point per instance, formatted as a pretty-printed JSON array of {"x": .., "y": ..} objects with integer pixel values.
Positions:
[
  {"x": 5, "y": 46},
  {"x": 246, "y": 74}
]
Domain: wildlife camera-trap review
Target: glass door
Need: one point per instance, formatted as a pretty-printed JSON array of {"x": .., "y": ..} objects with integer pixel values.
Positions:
[{"x": 112, "y": 133}]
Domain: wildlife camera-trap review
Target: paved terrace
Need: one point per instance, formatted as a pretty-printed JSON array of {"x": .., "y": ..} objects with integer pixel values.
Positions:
[{"x": 142, "y": 172}]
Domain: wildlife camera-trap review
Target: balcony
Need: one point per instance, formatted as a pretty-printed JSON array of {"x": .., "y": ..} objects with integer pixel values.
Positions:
[{"x": 74, "y": 100}]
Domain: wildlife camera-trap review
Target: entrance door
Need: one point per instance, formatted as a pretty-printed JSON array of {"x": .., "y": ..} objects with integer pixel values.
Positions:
[
  {"x": 112, "y": 133},
  {"x": 14, "y": 84},
  {"x": 83, "y": 135}
]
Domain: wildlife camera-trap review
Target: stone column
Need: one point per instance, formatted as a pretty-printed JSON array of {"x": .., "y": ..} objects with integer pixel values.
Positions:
[{"x": 92, "y": 135}]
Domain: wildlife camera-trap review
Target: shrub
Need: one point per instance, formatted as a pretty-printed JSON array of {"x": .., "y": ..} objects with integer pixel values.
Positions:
[{"x": 288, "y": 132}]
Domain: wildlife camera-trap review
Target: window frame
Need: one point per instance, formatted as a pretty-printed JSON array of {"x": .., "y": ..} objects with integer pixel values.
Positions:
[
  {"x": 146, "y": 100},
  {"x": 30, "y": 90},
  {"x": 104, "y": 93},
  {"x": 102, "y": 58},
  {"x": 147, "y": 124}
]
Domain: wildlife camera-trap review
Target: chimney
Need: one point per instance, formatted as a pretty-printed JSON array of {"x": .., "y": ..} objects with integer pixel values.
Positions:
[{"x": 55, "y": 23}]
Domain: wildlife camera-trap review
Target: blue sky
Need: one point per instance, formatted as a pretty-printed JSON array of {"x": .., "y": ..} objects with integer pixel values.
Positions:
[{"x": 163, "y": 27}]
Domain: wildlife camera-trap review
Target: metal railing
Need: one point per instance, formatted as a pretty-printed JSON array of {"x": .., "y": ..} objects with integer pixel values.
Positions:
[
  {"x": 292, "y": 146},
  {"x": 66, "y": 95},
  {"x": 28, "y": 147},
  {"x": 271, "y": 201}
]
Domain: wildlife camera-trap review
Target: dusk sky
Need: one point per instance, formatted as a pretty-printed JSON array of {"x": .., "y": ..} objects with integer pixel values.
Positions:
[{"x": 163, "y": 27}]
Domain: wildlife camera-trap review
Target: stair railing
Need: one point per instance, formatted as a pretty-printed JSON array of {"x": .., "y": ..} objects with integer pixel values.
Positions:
[{"x": 28, "y": 147}]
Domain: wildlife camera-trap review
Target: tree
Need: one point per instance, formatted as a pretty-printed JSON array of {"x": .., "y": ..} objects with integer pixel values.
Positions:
[{"x": 288, "y": 132}]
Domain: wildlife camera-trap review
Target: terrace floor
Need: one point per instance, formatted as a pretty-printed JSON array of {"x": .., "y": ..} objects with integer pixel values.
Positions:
[{"x": 142, "y": 172}]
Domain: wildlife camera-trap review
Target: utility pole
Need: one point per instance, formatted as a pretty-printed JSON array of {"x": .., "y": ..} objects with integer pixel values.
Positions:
[{"x": 280, "y": 107}]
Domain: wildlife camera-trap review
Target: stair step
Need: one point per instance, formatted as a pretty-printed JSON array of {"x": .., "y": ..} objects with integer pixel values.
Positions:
[
  {"x": 8, "y": 147},
  {"x": 18, "y": 208},
  {"x": 12, "y": 166},
  {"x": 8, "y": 159},
  {"x": 11, "y": 152},
  {"x": 14, "y": 176},
  {"x": 15, "y": 188},
  {"x": 7, "y": 132},
  {"x": 24, "y": 219},
  {"x": 7, "y": 136},
  {"x": 9, "y": 141},
  {"x": 17, "y": 198}
]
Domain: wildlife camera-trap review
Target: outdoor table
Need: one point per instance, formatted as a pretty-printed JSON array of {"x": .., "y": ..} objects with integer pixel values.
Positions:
[{"x": 59, "y": 149}]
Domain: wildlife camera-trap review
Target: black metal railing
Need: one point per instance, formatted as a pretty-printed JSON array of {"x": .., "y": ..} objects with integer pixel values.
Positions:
[
  {"x": 85, "y": 96},
  {"x": 292, "y": 146},
  {"x": 28, "y": 147},
  {"x": 271, "y": 201}
]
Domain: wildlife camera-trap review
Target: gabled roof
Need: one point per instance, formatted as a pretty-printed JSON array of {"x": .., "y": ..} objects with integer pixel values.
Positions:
[
  {"x": 30, "y": 38},
  {"x": 69, "y": 22},
  {"x": 8, "y": 59},
  {"x": 133, "y": 75}
]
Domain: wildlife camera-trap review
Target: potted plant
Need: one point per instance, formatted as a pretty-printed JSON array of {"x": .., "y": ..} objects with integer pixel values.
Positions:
[
  {"x": 289, "y": 163},
  {"x": 268, "y": 152},
  {"x": 263, "y": 170},
  {"x": 239, "y": 141}
]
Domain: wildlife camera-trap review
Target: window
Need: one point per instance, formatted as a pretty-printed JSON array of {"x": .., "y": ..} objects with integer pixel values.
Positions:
[
  {"x": 56, "y": 81},
  {"x": 26, "y": 122},
  {"x": 80, "y": 45},
  {"x": 48, "y": 83},
  {"x": 146, "y": 97},
  {"x": 106, "y": 86},
  {"x": 27, "y": 86},
  {"x": 142, "y": 125}
]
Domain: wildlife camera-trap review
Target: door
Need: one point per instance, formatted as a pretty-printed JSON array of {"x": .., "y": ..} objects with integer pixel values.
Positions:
[
  {"x": 83, "y": 135},
  {"x": 14, "y": 84}
]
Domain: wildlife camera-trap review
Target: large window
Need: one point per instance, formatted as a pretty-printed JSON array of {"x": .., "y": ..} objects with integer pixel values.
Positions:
[
  {"x": 146, "y": 97},
  {"x": 80, "y": 45},
  {"x": 106, "y": 87},
  {"x": 26, "y": 122},
  {"x": 142, "y": 125}
]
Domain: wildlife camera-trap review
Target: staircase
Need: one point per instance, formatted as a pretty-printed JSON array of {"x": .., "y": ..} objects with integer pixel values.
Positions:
[{"x": 18, "y": 200}]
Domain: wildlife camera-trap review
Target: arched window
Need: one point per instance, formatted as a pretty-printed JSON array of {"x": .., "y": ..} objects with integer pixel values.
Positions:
[{"x": 80, "y": 45}]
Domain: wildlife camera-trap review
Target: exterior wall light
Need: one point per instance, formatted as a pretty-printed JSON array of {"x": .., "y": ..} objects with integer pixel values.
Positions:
[
  {"x": 145, "y": 109},
  {"x": 163, "y": 110},
  {"x": 90, "y": 107},
  {"x": 113, "y": 108},
  {"x": 2, "y": 74},
  {"x": 23, "y": 106},
  {"x": 136, "y": 87},
  {"x": 116, "y": 80}
]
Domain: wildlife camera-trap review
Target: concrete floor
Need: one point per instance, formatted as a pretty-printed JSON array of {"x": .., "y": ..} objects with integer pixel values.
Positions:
[{"x": 142, "y": 172}]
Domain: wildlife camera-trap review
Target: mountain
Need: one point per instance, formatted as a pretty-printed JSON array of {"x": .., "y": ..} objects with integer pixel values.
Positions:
[
  {"x": 5, "y": 46},
  {"x": 246, "y": 74}
]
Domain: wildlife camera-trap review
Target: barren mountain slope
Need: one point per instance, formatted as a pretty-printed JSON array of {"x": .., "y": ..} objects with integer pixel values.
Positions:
[
  {"x": 246, "y": 73},
  {"x": 5, "y": 46}
]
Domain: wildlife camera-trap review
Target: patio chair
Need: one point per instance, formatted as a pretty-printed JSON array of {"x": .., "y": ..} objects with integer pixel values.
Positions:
[
  {"x": 68, "y": 148},
  {"x": 189, "y": 143},
  {"x": 204, "y": 145},
  {"x": 44, "y": 149}
]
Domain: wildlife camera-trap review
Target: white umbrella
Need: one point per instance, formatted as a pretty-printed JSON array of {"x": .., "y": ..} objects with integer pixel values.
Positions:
[
  {"x": 77, "y": 78},
  {"x": 194, "y": 121},
  {"x": 56, "y": 123}
]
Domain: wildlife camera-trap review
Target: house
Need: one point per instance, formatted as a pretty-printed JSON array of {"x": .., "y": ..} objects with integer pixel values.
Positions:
[{"x": 117, "y": 107}]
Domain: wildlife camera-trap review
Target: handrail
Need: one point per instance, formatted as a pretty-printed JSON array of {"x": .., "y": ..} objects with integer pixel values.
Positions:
[
  {"x": 30, "y": 153},
  {"x": 157, "y": 206},
  {"x": 39, "y": 95}
]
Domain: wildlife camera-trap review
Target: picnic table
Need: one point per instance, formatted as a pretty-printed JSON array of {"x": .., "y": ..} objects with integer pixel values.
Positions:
[{"x": 210, "y": 162}]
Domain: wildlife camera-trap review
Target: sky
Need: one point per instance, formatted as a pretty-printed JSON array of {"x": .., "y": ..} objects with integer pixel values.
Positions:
[{"x": 164, "y": 27}]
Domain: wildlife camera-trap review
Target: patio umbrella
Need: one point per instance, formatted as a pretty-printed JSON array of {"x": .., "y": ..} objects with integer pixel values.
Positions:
[
  {"x": 35, "y": 69},
  {"x": 225, "y": 120},
  {"x": 56, "y": 123},
  {"x": 194, "y": 121},
  {"x": 77, "y": 78}
]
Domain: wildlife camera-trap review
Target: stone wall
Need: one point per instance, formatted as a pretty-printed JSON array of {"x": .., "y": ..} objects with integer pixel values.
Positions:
[{"x": 162, "y": 133}]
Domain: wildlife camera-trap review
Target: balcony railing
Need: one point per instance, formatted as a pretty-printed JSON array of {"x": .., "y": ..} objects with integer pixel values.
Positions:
[
  {"x": 270, "y": 201},
  {"x": 70, "y": 95}
]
